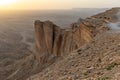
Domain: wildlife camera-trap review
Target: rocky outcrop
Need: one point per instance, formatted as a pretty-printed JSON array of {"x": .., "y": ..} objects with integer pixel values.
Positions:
[
  {"x": 51, "y": 39},
  {"x": 46, "y": 33}
]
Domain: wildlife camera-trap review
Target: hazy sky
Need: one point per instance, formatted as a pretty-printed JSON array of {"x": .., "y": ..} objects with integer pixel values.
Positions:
[{"x": 59, "y": 4}]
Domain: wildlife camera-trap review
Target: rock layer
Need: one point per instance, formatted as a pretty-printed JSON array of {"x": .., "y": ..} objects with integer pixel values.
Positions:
[{"x": 51, "y": 39}]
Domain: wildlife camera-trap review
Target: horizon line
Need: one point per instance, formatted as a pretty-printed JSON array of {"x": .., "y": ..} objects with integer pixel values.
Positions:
[{"x": 58, "y": 9}]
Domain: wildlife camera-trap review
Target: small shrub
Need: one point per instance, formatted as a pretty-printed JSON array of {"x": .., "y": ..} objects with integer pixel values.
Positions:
[
  {"x": 110, "y": 66},
  {"x": 85, "y": 73},
  {"x": 79, "y": 50},
  {"x": 103, "y": 78},
  {"x": 79, "y": 53}
]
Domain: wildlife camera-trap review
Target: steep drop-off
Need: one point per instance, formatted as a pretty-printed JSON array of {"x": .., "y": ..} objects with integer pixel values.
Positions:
[{"x": 51, "y": 39}]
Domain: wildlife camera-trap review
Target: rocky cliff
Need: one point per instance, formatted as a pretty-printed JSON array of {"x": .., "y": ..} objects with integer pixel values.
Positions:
[{"x": 51, "y": 39}]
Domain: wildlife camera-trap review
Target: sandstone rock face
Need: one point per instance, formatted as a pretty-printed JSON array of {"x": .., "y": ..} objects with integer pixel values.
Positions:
[
  {"x": 51, "y": 39},
  {"x": 45, "y": 34}
]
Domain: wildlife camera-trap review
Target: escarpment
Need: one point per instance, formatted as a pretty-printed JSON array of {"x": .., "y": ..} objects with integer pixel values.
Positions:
[{"x": 51, "y": 39}]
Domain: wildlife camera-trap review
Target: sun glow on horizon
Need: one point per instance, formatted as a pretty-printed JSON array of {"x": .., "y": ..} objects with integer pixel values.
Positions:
[
  {"x": 6, "y": 2},
  {"x": 56, "y": 4}
]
